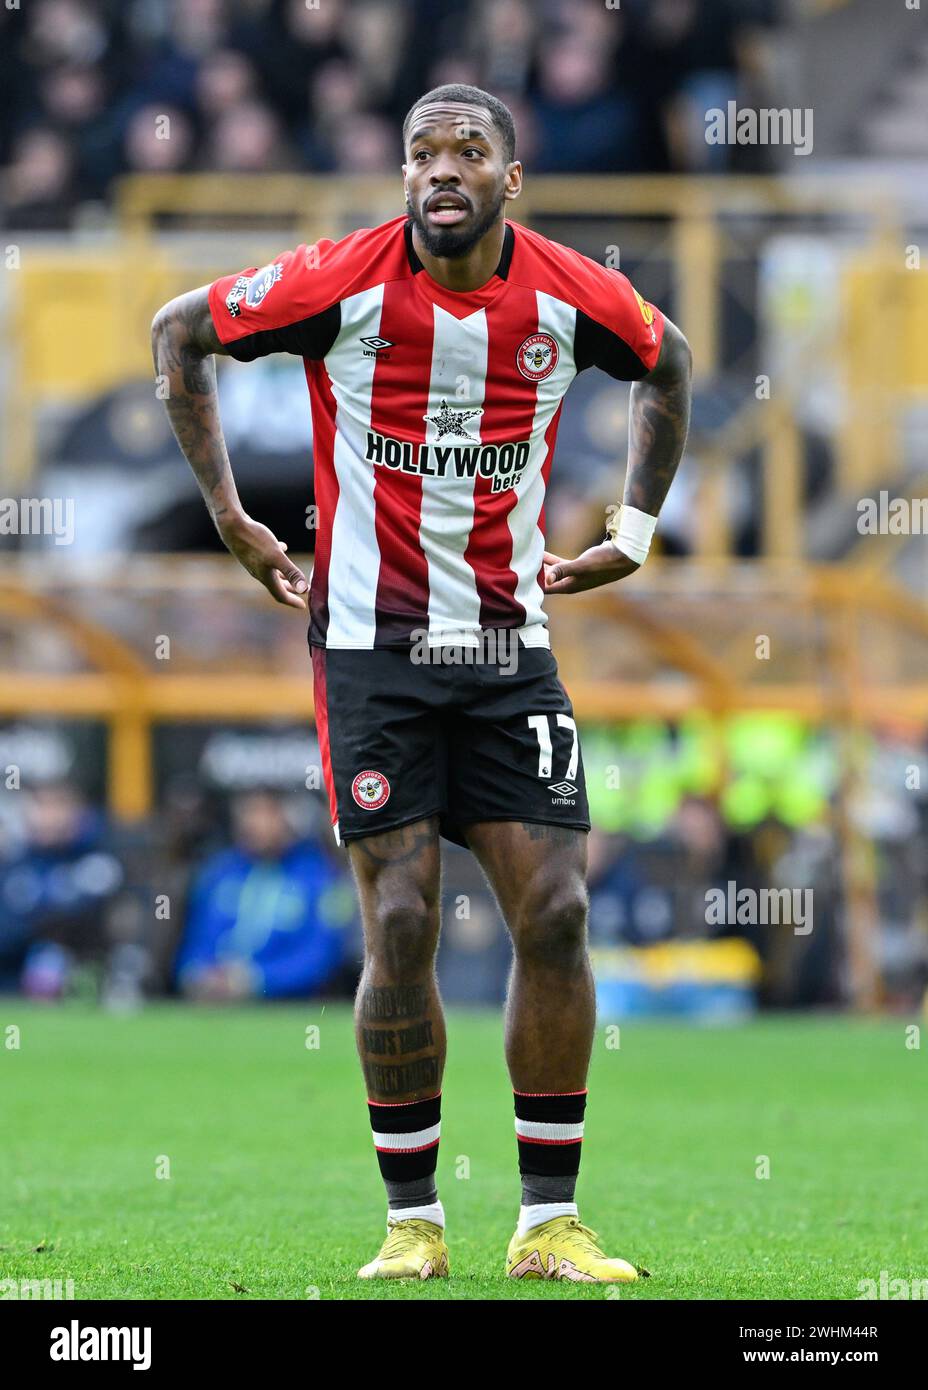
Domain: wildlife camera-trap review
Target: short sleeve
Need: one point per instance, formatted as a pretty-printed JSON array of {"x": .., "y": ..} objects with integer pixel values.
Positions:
[
  {"x": 286, "y": 306},
  {"x": 622, "y": 333}
]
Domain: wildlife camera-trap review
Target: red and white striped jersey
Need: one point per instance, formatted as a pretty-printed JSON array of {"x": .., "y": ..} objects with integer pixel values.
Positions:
[{"x": 434, "y": 419}]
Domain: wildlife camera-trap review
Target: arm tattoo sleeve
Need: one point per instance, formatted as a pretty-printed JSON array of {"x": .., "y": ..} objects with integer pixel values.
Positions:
[
  {"x": 183, "y": 341},
  {"x": 659, "y": 416}
]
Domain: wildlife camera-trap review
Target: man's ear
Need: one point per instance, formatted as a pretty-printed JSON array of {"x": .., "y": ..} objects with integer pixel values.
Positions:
[
  {"x": 405, "y": 189},
  {"x": 513, "y": 180}
]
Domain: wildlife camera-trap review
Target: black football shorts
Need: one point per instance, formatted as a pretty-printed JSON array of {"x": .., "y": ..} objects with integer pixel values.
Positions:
[{"x": 465, "y": 741}]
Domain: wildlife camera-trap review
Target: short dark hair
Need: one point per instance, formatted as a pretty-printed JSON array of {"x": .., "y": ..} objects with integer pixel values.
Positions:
[{"x": 473, "y": 96}]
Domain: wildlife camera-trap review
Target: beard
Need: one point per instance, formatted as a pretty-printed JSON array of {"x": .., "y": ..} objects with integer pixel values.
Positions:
[{"x": 454, "y": 242}]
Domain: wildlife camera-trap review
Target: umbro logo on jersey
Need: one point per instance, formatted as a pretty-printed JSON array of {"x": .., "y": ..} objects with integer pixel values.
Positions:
[{"x": 373, "y": 346}]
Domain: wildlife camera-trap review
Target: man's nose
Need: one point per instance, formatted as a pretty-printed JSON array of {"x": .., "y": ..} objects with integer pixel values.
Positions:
[{"x": 444, "y": 172}]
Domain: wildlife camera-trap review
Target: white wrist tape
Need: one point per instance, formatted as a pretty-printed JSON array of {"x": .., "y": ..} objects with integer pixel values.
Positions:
[{"x": 630, "y": 531}]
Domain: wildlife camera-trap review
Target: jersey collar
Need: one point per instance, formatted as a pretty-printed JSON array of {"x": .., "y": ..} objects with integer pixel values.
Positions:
[{"x": 457, "y": 300}]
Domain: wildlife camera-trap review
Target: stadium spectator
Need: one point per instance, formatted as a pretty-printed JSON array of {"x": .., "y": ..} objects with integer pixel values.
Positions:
[
  {"x": 267, "y": 916},
  {"x": 159, "y": 140},
  {"x": 247, "y": 139},
  {"x": 582, "y": 124},
  {"x": 616, "y": 885},
  {"x": 64, "y": 31},
  {"x": 183, "y": 833},
  {"x": 707, "y": 854},
  {"x": 225, "y": 79},
  {"x": 334, "y": 96},
  {"x": 56, "y": 894},
  {"x": 376, "y": 33},
  {"x": 363, "y": 144},
  {"x": 74, "y": 97},
  {"x": 38, "y": 185},
  {"x": 506, "y": 35}
]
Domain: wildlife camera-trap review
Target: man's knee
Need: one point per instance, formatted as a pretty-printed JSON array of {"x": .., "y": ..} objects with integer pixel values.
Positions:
[
  {"x": 402, "y": 933},
  {"x": 550, "y": 925}
]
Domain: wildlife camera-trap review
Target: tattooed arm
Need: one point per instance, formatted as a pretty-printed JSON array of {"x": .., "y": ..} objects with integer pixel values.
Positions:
[
  {"x": 659, "y": 413},
  {"x": 658, "y": 423},
  {"x": 184, "y": 342}
]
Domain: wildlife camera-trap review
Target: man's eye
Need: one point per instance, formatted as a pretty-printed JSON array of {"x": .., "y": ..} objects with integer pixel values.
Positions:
[{"x": 472, "y": 149}]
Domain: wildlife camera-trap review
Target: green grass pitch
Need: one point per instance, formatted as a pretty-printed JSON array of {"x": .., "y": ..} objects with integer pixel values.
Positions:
[{"x": 273, "y": 1184}]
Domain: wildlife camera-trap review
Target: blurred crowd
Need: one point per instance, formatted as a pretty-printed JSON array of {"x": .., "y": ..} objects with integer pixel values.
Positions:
[
  {"x": 208, "y": 905},
  {"x": 218, "y": 900},
  {"x": 98, "y": 88}
]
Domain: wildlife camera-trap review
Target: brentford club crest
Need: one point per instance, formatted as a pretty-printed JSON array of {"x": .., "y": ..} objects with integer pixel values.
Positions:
[
  {"x": 371, "y": 790},
  {"x": 537, "y": 357}
]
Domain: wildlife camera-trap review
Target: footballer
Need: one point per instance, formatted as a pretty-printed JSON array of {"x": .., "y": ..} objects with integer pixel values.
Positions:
[{"x": 438, "y": 348}]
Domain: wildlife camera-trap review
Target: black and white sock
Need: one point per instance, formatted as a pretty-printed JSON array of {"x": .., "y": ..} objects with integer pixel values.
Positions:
[
  {"x": 406, "y": 1139},
  {"x": 549, "y": 1132}
]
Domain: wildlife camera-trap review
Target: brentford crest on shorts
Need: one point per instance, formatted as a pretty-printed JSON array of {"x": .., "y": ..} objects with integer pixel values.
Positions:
[
  {"x": 371, "y": 790},
  {"x": 537, "y": 357}
]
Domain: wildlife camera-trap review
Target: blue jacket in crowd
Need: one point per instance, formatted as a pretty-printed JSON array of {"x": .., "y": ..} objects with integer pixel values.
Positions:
[{"x": 286, "y": 918}]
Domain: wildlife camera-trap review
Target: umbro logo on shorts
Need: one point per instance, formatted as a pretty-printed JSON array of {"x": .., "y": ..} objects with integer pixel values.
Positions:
[
  {"x": 371, "y": 790},
  {"x": 562, "y": 788}
]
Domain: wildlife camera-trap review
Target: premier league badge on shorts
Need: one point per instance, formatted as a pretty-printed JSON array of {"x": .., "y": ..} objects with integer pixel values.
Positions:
[
  {"x": 537, "y": 357},
  {"x": 371, "y": 790}
]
